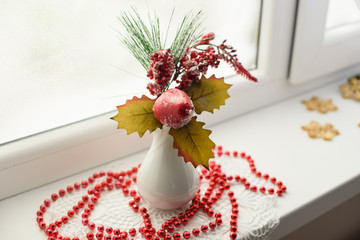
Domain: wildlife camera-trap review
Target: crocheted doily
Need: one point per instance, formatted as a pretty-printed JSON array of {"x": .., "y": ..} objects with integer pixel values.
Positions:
[{"x": 257, "y": 216}]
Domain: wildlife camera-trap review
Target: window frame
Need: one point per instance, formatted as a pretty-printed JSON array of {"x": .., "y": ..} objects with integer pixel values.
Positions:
[{"x": 336, "y": 47}]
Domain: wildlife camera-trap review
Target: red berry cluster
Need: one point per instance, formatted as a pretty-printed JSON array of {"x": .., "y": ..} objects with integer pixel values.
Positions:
[
  {"x": 161, "y": 70},
  {"x": 154, "y": 88},
  {"x": 194, "y": 63}
]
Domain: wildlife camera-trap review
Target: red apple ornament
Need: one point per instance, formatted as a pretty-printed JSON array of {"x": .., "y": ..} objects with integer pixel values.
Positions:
[{"x": 174, "y": 108}]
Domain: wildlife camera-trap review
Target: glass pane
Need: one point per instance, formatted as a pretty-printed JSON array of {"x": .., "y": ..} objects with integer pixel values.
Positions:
[
  {"x": 62, "y": 61},
  {"x": 342, "y": 12}
]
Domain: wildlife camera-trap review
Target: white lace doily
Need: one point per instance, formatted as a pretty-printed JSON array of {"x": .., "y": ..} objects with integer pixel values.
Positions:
[{"x": 257, "y": 217}]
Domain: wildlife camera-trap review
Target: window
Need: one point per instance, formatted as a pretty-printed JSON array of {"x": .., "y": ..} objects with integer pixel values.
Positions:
[
  {"x": 326, "y": 40},
  {"x": 341, "y": 13},
  {"x": 67, "y": 64},
  {"x": 63, "y": 64}
]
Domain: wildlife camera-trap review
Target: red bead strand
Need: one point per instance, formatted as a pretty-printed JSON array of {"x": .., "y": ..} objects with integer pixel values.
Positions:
[{"x": 219, "y": 182}]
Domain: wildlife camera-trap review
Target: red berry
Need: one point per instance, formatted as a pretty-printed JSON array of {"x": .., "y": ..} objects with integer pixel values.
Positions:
[
  {"x": 174, "y": 108},
  {"x": 208, "y": 37}
]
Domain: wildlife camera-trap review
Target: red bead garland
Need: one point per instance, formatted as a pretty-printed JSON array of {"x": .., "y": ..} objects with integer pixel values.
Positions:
[{"x": 168, "y": 230}]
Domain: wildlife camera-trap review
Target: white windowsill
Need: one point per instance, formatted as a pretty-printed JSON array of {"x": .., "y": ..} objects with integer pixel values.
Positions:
[{"x": 319, "y": 175}]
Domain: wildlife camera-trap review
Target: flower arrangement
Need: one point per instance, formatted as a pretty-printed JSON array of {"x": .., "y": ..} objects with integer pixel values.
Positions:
[{"x": 178, "y": 84}]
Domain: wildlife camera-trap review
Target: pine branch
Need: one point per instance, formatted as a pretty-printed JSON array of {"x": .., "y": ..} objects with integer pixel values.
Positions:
[
  {"x": 139, "y": 39},
  {"x": 167, "y": 30},
  {"x": 155, "y": 32},
  {"x": 187, "y": 34},
  {"x": 143, "y": 41}
]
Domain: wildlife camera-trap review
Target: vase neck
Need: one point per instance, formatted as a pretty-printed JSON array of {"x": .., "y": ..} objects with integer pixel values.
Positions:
[
  {"x": 163, "y": 138},
  {"x": 162, "y": 148}
]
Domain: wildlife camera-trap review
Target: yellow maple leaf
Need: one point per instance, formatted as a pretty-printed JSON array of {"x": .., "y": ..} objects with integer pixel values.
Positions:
[
  {"x": 193, "y": 143},
  {"x": 208, "y": 94},
  {"x": 137, "y": 115}
]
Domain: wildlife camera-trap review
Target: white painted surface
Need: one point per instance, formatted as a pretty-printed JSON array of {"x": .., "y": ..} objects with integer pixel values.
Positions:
[
  {"x": 319, "y": 174},
  {"x": 318, "y": 51}
]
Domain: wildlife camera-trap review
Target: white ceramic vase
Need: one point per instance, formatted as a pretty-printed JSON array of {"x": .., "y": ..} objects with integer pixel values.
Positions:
[{"x": 164, "y": 179}]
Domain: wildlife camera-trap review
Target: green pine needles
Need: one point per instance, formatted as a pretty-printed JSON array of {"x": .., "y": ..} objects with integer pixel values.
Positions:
[{"x": 143, "y": 41}]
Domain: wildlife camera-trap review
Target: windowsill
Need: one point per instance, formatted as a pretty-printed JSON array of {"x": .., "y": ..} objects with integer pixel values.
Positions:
[{"x": 319, "y": 174}]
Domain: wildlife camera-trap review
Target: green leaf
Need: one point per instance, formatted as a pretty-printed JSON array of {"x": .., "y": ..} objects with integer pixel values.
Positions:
[
  {"x": 193, "y": 143},
  {"x": 208, "y": 94},
  {"x": 137, "y": 115}
]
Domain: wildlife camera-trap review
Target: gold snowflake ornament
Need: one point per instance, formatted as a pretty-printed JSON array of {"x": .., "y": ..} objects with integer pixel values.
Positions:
[
  {"x": 315, "y": 130},
  {"x": 319, "y": 105},
  {"x": 351, "y": 89}
]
